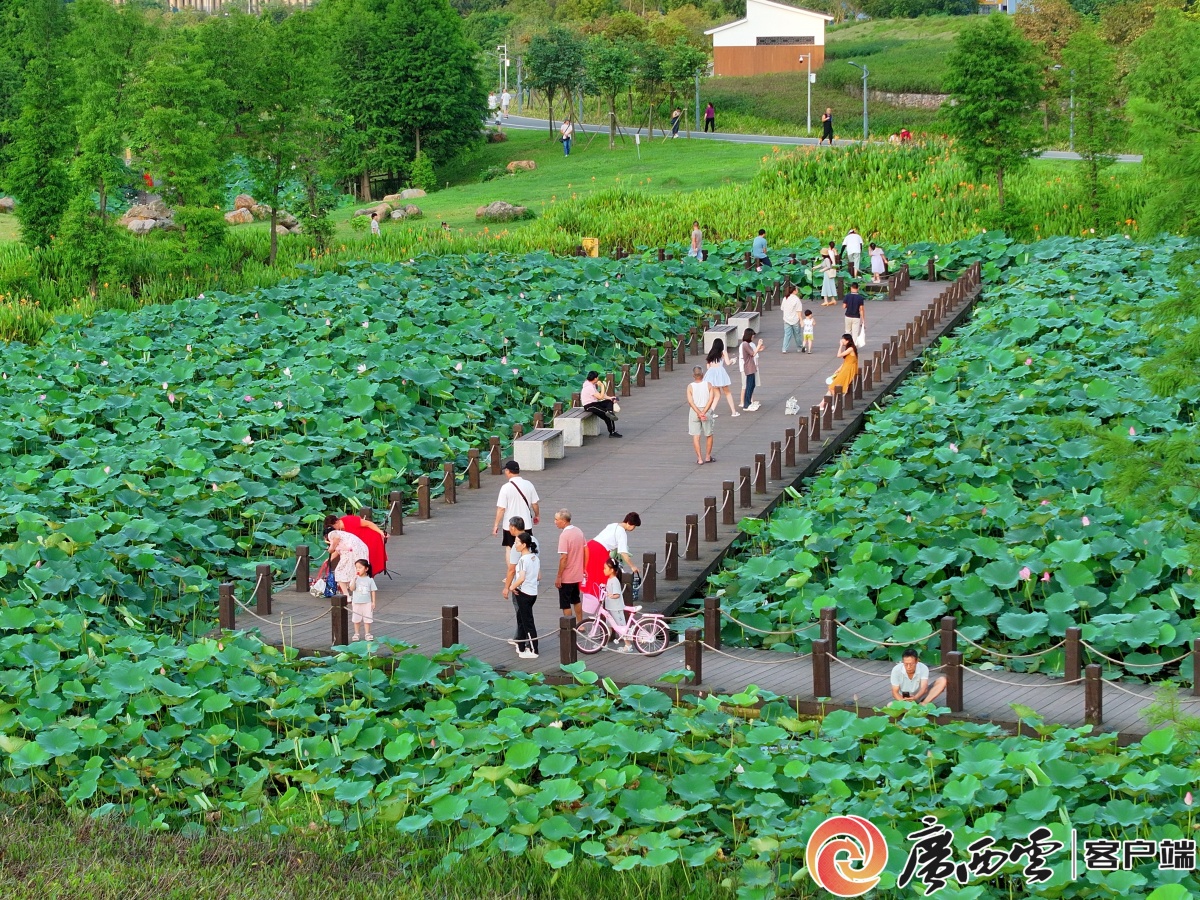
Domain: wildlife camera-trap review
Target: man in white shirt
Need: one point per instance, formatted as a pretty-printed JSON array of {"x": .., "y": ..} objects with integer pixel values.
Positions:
[
  {"x": 519, "y": 498},
  {"x": 791, "y": 306},
  {"x": 910, "y": 680},
  {"x": 852, "y": 245},
  {"x": 505, "y": 99},
  {"x": 701, "y": 398}
]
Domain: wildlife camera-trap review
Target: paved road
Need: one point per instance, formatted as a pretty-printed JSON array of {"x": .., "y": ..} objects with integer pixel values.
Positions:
[{"x": 527, "y": 123}]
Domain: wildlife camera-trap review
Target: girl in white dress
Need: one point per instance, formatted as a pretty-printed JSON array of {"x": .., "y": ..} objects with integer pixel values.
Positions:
[
  {"x": 717, "y": 377},
  {"x": 879, "y": 262}
]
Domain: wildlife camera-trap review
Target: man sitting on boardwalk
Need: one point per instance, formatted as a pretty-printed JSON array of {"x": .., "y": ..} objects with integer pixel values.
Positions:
[{"x": 910, "y": 680}]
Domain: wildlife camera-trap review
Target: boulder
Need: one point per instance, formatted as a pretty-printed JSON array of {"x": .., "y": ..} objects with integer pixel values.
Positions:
[
  {"x": 411, "y": 194},
  {"x": 7, "y": 204},
  {"x": 240, "y": 216},
  {"x": 244, "y": 201},
  {"x": 281, "y": 229},
  {"x": 287, "y": 220},
  {"x": 141, "y": 226},
  {"x": 392, "y": 198},
  {"x": 500, "y": 211},
  {"x": 521, "y": 165},
  {"x": 383, "y": 209},
  {"x": 406, "y": 212},
  {"x": 155, "y": 209}
]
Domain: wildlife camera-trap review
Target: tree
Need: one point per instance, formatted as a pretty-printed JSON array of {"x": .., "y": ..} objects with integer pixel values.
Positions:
[
  {"x": 610, "y": 70},
  {"x": 12, "y": 63},
  {"x": 1164, "y": 89},
  {"x": 554, "y": 65},
  {"x": 680, "y": 67},
  {"x": 1048, "y": 25},
  {"x": 37, "y": 173},
  {"x": 994, "y": 79},
  {"x": 651, "y": 76},
  {"x": 1091, "y": 69}
]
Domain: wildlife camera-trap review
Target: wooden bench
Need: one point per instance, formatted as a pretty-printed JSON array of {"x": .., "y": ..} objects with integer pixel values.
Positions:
[
  {"x": 727, "y": 332},
  {"x": 576, "y": 424},
  {"x": 532, "y": 450}
]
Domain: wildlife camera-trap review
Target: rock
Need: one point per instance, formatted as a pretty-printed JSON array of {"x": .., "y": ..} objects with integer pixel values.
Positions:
[
  {"x": 7, "y": 204},
  {"x": 281, "y": 229},
  {"x": 155, "y": 209},
  {"x": 521, "y": 165},
  {"x": 383, "y": 209},
  {"x": 244, "y": 201},
  {"x": 411, "y": 194},
  {"x": 287, "y": 220},
  {"x": 240, "y": 216},
  {"x": 500, "y": 211},
  {"x": 139, "y": 225},
  {"x": 407, "y": 212},
  {"x": 296, "y": 229},
  {"x": 392, "y": 198}
]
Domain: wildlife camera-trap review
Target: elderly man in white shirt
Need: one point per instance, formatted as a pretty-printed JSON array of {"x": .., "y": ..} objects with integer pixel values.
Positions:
[{"x": 910, "y": 680}]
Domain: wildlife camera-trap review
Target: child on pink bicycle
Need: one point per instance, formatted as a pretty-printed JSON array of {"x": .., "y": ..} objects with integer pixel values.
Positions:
[{"x": 614, "y": 602}]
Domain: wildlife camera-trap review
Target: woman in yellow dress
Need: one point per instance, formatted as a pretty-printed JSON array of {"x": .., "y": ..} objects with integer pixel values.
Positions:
[{"x": 844, "y": 376}]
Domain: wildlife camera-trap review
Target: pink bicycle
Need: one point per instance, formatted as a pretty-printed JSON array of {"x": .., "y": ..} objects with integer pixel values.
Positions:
[{"x": 648, "y": 634}]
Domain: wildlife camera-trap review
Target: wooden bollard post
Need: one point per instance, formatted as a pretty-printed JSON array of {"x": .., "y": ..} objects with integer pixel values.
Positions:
[
  {"x": 576, "y": 400},
  {"x": 838, "y": 403},
  {"x": 649, "y": 578},
  {"x": 820, "y": 663},
  {"x": 760, "y": 473},
  {"x": 848, "y": 397},
  {"x": 858, "y": 386},
  {"x": 814, "y": 425},
  {"x": 568, "y": 651},
  {"x": 473, "y": 469},
  {"x": 744, "y": 487},
  {"x": 866, "y": 382},
  {"x": 727, "y": 513},
  {"x": 449, "y": 483},
  {"x": 449, "y": 626},
  {"x": 758, "y": 302},
  {"x": 840, "y": 282},
  {"x": 949, "y": 640},
  {"x": 302, "y": 558},
  {"x": 710, "y": 519},
  {"x": 626, "y": 387},
  {"x": 802, "y": 436},
  {"x": 692, "y": 653},
  {"x": 1071, "y": 655},
  {"x": 1093, "y": 695},
  {"x": 423, "y": 511},
  {"x": 894, "y": 348},
  {"x": 654, "y": 376},
  {"x": 395, "y": 513},
  {"x": 640, "y": 380},
  {"x": 931, "y": 270},
  {"x": 691, "y": 537},
  {"x": 539, "y": 420},
  {"x": 827, "y": 414},
  {"x": 882, "y": 360},
  {"x": 776, "y": 460},
  {"x": 611, "y": 384},
  {"x": 669, "y": 355},
  {"x": 556, "y": 410},
  {"x": 262, "y": 589},
  {"x": 226, "y": 608},
  {"x": 712, "y": 622},
  {"x": 828, "y": 622},
  {"x": 681, "y": 349},
  {"x": 671, "y": 557},
  {"x": 518, "y": 431},
  {"x": 954, "y": 681},
  {"x": 494, "y": 455},
  {"x": 662, "y": 254},
  {"x": 789, "y": 447},
  {"x": 339, "y": 614},
  {"x": 693, "y": 340}
]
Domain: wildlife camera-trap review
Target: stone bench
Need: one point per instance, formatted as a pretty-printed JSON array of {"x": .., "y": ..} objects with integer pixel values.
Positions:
[
  {"x": 532, "y": 450},
  {"x": 743, "y": 320},
  {"x": 576, "y": 424},
  {"x": 727, "y": 332}
]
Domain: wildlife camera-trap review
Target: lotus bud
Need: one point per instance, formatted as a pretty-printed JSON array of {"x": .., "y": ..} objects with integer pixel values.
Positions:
[{"x": 1024, "y": 574}]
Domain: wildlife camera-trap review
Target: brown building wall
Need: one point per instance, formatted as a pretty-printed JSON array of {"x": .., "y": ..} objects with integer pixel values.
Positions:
[{"x": 762, "y": 60}]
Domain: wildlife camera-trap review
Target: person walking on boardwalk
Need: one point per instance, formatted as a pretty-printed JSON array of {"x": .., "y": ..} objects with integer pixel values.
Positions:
[
  {"x": 758, "y": 250},
  {"x": 347, "y": 548},
  {"x": 697, "y": 248},
  {"x": 517, "y": 497},
  {"x": 910, "y": 680},
  {"x": 595, "y": 399},
  {"x": 856, "y": 315},
  {"x": 718, "y": 377},
  {"x": 565, "y": 132},
  {"x": 791, "y": 307},
  {"x": 828, "y": 271},
  {"x": 748, "y": 353},
  {"x": 572, "y": 565},
  {"x": 826, "y": 127},
  {"x": 852, "y": 245},
  {"x": 879, "y": 263},
  {"x": 614, "y": 539},
  {"x": 524, "y": 594},
  {"x": 809, "y": 327},
  {"x": 676, "y": 115},
  {"x": 710, "y": 118},
  {"x": 701, "y": 398}
]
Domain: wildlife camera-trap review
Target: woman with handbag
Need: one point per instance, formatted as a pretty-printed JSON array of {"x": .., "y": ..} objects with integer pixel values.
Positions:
[
  {"x": 565, "y": 133},
  {"x": 595, "y": 398}
]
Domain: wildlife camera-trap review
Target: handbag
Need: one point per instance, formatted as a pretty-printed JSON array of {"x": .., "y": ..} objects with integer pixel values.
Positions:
[
  {"x": 616, "y": 406},
  {"x": 862, "y": 336},
  {"x": 325, "y": 584},
  {"x": 635, "y": 587},
  {"x": 792, "y": 407}
]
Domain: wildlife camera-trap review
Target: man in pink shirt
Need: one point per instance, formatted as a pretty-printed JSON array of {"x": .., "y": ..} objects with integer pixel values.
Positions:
[{"x": 572, "y": 563}]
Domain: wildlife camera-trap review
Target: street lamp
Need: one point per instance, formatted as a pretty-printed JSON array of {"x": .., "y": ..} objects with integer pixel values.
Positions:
[
  {"x": 1071, "y": 145},
  {"x": 865, "y": 72},
  {"x": 808, "y": 57},
  {"x": 502, "y": 51}
]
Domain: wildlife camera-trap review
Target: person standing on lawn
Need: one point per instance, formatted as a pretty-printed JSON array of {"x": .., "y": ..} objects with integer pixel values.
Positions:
[
  {"x": 676, "y": 115},
  {"x": 701, "y": 398},
  {"x": 565, "y": 132}
]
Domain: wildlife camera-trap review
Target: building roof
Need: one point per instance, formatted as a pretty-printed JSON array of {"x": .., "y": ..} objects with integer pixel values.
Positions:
[{"x": 786, "y": 7}]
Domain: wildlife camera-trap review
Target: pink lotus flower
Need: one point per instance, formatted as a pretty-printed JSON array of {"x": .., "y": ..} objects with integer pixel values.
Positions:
[
  {"x": 361, "y": 368},
  {"x": 1029, "y": 360},
  {"x": 41, "y": 397},
  {"x": 248, "y": 398},
  {"x": 983, "y": 512},
  {"x": 1045, "y": 576},
  {"x": 1045, "y": 503},
  {"x": 103, "y": 362},
  {"x": 164, "y": 385},
  {"x": 170, "y": 398},
  {"x": 1187, "y": 798},
  {"x": 201, "y": 297},
  {"x": 1086, "y": 521},
  {"x": 504, "y": 360},
  {"x": 515, "y": 371},
  {"x": 1025, "y": 574},
  {"x": 247, "y": 440},
  {"x": 214, "y": 485},
  {"x": 328, "y": 322},
  {"x": 953, "y": 448},
  {"x": 256, "y": 315},
  {"x": 365, "y": 323},
  {"x": 279, "y": 404},
  {"x": 458, "y": 367},
  {"x": 1132, "y": 431},
  {"x": 107, "y": 469},
  {"x": 522, "y": 296},
  {"x": 908, "y": 518},
  {"x": 189, "y": 348}
]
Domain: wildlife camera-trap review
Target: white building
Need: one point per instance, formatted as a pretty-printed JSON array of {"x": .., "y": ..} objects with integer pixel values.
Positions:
[{"x": 771, "y": 38}]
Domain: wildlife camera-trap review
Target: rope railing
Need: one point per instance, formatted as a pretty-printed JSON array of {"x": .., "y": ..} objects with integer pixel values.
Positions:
[
  {"x": 1123, "y": 690},
  {"x": 1000, "y": 655},
  {"x": 377, "y": 620},
  {"x": 666, "y": 560},
  {"x": 1021, "y": 684},
  {"x": 708, "y": 648},
  {"x": 842, "y": 662},
  {"x": 742, "y": 624},
  {"x": 280, "y": 623},
  {"x": 842, "y": 626},
  {"x": 1129, "y": 665},
  {"x": 536, "y": 637}
]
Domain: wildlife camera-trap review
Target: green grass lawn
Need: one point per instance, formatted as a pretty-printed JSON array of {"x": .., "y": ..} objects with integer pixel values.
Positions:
[
  {"x": 903, "y": 54},
  {"x": 9, "y": 230}
]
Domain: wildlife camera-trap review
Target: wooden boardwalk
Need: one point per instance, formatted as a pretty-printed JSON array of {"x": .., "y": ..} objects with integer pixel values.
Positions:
[{"x": 452, "y": 559}]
